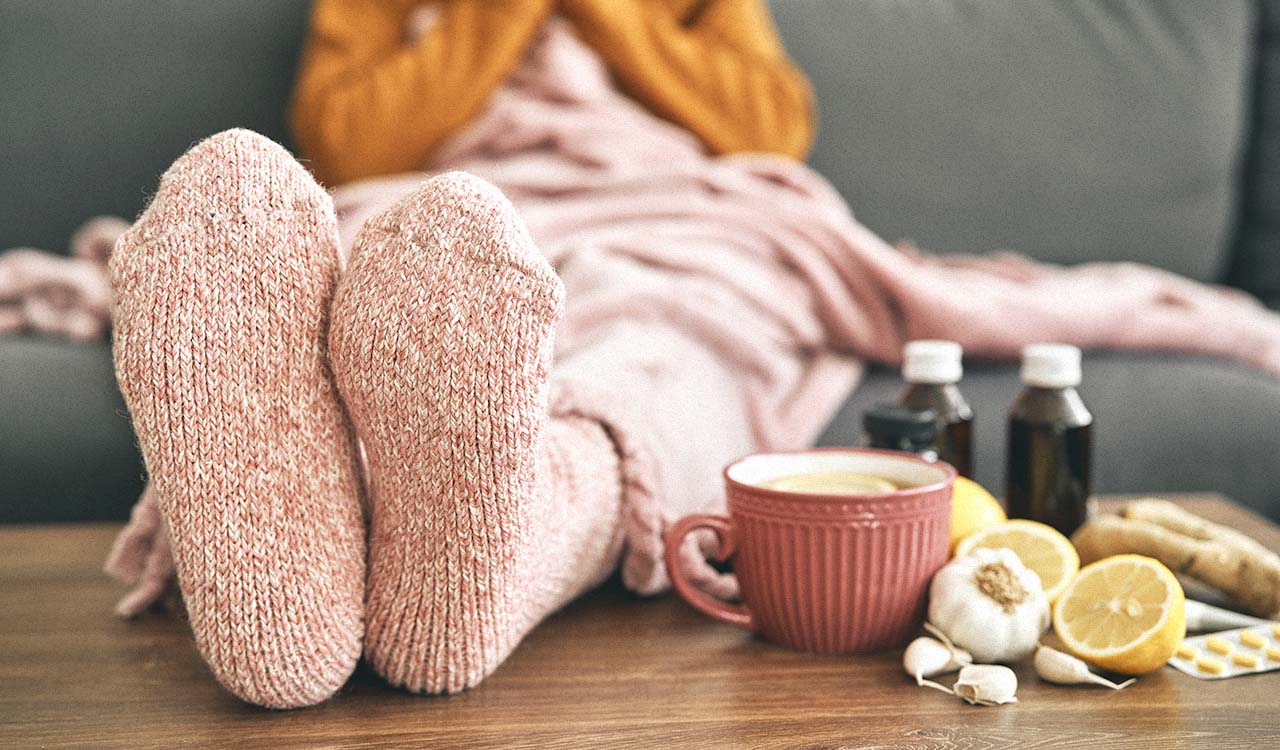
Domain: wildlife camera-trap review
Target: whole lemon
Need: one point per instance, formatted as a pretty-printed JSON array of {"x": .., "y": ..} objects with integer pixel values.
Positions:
[{"x": 972, "y": 508}]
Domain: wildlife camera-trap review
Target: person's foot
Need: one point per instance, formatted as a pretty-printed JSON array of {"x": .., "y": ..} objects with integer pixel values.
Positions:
[
  {"x": 486, "y": 516},
  {"x": 222, "y": 292}
]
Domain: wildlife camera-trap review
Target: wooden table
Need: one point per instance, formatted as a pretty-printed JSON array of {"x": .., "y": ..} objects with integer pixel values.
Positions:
[{"x": 610, "y": 671}]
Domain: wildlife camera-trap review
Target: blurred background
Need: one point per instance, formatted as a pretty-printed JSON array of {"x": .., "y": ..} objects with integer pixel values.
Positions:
[{"x": 1068, "y": 130}]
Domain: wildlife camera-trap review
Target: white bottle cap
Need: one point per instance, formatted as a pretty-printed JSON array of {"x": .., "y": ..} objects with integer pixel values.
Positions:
[
  {"x": 1051, "y": 365},
  {"x": 933, "y": 362}
]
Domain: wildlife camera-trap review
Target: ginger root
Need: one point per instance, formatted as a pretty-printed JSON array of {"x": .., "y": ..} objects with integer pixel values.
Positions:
[{"x": 1217, "y": 555}]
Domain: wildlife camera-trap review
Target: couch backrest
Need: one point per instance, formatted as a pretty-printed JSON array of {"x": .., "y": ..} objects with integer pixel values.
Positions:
[
  {"x": 1255, "y": 261},
  {"x": 97, "y": 98},
  {"x": 1070, "y": 130}
]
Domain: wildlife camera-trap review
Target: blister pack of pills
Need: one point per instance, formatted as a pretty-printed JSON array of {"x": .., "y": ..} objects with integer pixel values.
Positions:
[{"x": 1231, "y": 653}]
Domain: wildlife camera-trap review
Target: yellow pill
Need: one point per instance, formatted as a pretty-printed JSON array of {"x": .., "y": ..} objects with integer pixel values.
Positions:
[
  {"x": 1187, "y": 651},
  {"x": 1245, "y": 660},
  {"x": 1275, "y": 630},
  {"x": 1218, "y": 645},
  {"x": 1252, "y": 639},
  {"x": 1273, "y": 653},
  {"x": 1210, "y": 665}
]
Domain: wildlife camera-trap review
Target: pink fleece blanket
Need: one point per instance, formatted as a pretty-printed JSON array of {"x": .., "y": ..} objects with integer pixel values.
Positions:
[
  {"x": 722, "y": 305},
  {"x": 50, "y": 294},
  {"x": 718, "y": 306}
]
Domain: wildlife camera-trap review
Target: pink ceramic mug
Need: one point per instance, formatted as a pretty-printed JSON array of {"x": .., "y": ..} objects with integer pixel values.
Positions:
[{"x": 834, "y": 574}]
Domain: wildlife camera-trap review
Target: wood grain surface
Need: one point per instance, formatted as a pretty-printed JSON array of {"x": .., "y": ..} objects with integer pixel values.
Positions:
[{"x": 610, "y": 671}]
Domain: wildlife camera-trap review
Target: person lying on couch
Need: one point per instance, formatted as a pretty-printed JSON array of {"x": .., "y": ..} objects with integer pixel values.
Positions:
[{"x": 572, "y": 268}]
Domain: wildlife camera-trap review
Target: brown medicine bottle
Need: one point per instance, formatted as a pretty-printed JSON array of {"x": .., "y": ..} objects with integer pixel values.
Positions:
[
  {"x": 1050, "y": 450},
  {"x": 900, "y": 428},
  {"x": 932, "y": 369}
]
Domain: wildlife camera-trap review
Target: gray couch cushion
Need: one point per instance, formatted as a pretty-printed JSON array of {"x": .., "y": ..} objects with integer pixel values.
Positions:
[
  {"x": 1171, "y": 423},
  {"x": 1069, "y": 130},
  {"x": 66, "y": 449},
  {"x": 98, "y": 98}
]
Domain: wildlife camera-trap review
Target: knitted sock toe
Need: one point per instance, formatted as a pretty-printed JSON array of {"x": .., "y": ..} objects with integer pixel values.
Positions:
[
  {"x": 222, "y": 294},
  {"x": 486, "y": 515}
]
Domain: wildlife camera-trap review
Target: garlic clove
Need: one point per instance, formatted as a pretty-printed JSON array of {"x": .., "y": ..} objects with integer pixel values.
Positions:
[
  {"x": 987, "y": 684},
  {"x": 927, "y": 657},
  {"x": 1064, "y": 669}
]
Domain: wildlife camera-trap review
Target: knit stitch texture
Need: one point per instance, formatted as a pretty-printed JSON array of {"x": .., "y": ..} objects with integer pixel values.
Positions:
[
  {"x": 222, "y": 291},
  {"x": 486, "y": 516}
]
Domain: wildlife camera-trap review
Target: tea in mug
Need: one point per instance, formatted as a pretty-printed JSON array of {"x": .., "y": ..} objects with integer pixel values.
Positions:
[{"x": 832, "y": 483}]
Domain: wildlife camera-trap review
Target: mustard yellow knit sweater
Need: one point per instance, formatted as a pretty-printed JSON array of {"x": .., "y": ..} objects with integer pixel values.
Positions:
[{"x": 371, "y": 102}]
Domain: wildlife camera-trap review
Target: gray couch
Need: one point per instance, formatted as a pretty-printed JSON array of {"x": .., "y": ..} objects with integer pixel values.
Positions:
[{"x": 1071, "y": 131}]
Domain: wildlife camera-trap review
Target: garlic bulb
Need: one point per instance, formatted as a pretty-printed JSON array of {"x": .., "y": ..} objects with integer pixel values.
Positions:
[
  {"x": 987, "y": 685},
  {"x": 990, "y": 604}
]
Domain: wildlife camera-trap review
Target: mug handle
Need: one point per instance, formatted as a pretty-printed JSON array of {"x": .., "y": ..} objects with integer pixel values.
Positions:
[{"x": 727, "y": 542}]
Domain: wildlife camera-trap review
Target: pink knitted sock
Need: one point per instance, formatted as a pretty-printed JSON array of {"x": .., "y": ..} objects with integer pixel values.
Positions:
[
  {"x": 222, "y": 293},
  {"x": 487, "y": 516}
]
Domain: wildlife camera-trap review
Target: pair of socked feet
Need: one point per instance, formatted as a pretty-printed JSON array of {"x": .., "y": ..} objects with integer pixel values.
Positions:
[{"x": 250, "y": 366}]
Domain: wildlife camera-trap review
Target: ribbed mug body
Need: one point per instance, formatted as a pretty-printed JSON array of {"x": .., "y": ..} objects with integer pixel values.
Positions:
[{"x": 834, "y": 574}]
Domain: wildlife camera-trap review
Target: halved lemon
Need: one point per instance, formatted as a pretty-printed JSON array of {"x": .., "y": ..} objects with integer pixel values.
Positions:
[
  {"x": 1039, "y": 547},
  {"x": 972, "y": 508},
  {"x": 1124, "y": 613}
]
